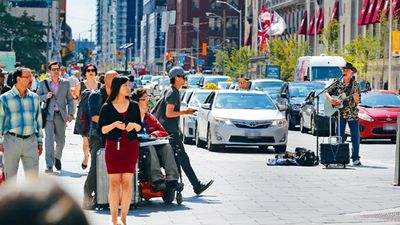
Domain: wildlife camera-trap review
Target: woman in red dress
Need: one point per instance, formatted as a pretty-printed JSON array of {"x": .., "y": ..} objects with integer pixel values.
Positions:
[{"x": 120, "y": 122}]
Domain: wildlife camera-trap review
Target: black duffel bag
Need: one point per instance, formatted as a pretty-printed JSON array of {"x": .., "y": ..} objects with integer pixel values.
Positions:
[{"x": 305, "y": 157}]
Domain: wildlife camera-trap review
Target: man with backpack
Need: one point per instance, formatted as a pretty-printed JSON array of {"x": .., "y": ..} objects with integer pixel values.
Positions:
[{"x": 95, "y": 102}]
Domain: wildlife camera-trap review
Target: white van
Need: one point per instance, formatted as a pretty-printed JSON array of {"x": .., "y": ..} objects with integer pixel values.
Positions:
[{"x": 319, "y": 68}]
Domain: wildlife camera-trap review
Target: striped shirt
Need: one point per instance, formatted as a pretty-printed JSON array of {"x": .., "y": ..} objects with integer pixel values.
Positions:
[{"x": 20, "y": 115}]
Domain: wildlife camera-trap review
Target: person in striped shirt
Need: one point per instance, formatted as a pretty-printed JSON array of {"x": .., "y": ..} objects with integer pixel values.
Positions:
[{"x": 21, "y": 125}]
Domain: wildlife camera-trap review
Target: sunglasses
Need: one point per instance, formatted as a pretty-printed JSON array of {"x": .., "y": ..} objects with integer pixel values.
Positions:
[{"x": 90, "y": 70}]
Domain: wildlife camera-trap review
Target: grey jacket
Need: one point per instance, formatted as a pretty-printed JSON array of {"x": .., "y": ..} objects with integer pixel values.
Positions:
[{"x": 63, "y": 99}]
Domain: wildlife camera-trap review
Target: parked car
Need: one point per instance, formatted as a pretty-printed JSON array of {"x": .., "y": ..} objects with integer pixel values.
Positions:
[
  {"x": 229, "y": 117},
  {"x": 265, "y": 84},
  {"x": 208, "y": 79},
  {"x": 378, "y": 115},
  {"x": 146, "y": 79},
  {"x": 193, "y": 80},
  {"x": 312, "y": 121},
  {"x": 193, "y": 99},
  {"x": 291, "y": 96}
]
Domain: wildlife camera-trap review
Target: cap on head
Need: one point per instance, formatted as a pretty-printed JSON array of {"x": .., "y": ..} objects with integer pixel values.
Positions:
[{"x": 176, "y": 71}]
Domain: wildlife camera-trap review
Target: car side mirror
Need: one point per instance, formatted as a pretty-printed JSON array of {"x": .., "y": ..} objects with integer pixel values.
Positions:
[
  {"x": 206, "y": 106},
  {"x": 282, "y": 108}
]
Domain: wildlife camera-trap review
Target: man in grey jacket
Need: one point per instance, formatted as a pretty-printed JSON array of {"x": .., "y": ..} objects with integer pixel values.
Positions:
[{"x": 60, "y": 111}]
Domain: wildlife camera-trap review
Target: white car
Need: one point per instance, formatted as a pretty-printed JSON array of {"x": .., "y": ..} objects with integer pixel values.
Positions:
[
  {"x": 246, "y": 118},
  {"x": 192, "y": 99}
]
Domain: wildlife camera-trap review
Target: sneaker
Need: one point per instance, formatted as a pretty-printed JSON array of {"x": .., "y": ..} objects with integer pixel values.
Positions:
[
  {"x": 356, "y": 163},
  {"x": 202, "y": 187},
  {"x": 57, "y": 164},
  {"x": 49, "y": 170}
]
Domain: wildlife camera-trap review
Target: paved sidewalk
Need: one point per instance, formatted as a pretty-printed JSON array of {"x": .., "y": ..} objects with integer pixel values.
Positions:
[{"x": 247, "y": 191}]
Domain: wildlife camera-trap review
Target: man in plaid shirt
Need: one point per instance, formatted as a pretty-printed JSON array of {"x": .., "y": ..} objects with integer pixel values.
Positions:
[{"x": 21, "y": 125}]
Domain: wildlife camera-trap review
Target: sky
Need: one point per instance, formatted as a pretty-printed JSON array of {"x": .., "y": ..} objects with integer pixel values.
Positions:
[{"x": 80, "y": 15}]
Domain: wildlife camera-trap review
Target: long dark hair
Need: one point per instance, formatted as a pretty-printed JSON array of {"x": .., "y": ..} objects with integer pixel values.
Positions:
[{"x": 115, "y": 86}]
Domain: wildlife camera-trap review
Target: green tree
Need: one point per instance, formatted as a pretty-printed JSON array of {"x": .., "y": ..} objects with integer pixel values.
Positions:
[
  {"x": 235, "y": 63},
  {"x": 361, "y": 51},
  {"x": 27, "y": 37},
  {"x": 330, "y": 38},
  {"x": 285, "y": 53}
]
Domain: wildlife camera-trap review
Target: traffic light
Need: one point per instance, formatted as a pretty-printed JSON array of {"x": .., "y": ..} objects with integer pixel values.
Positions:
[
  {"x": 71, "y": 46},
  {"x": 119, "y": 53},
  {"x": 90, "y": 53},
  {"x": 204, "y": 49},
  {"x": 63, "y": 52}
]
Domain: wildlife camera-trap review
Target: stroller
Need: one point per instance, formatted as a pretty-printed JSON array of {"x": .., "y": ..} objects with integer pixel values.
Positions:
[{"x": 145, "y": 190}]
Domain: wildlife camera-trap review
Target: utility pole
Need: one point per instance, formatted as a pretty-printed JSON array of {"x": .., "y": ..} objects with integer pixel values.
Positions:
[{"x": 48, "y": 35}]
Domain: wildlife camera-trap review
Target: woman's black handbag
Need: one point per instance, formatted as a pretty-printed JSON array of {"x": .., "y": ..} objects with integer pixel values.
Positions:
[{"x": 45, "y": 106}]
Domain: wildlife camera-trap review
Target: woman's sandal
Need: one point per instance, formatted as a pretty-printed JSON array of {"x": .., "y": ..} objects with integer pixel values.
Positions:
[{"x": 83, "y": 166}]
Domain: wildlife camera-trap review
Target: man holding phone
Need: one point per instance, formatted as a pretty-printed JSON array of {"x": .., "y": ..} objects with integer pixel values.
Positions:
[{"x": 171, "y": 125}]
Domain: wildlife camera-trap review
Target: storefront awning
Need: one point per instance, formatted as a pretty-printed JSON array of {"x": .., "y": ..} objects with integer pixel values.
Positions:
[
  {"x": 310, "y": 30},
  {"x": 370, "y": 12},
  {"x": 320, "y": 20},
  {"x": 379, "y": 7},
  {"x": 335, "y": 12},
  {"x": 363, "y": 12},
  {"x": 303, "y": 25}
]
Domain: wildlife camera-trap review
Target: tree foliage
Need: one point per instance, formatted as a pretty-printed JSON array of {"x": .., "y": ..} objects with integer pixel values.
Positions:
[
  {"x": 284, "y": 53},
  {"x": 361, "y": 51},
  {"x": 234, "y": 63},
  {"x": 27, "y": 37},
  {"x": 330, "y": 38}
]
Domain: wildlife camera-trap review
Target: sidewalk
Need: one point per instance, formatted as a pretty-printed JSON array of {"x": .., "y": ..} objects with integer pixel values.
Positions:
[{"x": 246, "y": 191}]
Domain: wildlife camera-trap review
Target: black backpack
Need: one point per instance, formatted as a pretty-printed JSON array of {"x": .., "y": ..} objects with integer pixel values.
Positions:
[
  {"x": 305, "y": 157},
  {"x": 82, "y": 122}
]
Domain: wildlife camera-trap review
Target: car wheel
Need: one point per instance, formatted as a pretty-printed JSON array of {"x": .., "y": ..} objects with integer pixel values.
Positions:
[
  {"x": 199, "y": 143},
  {"x": 211, "y": 147},
  {"x": 280, "y": 148},
  {"x": 289, "y": 119},
  {"x": 302, "y": 128},
  {"x": 168, "y": 196}
]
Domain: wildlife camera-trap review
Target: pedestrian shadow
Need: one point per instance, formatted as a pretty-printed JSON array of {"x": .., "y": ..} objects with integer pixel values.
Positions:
[
  {"x": 202, "y": 199},
  {"x": 65, "y": 173},
  {"x": 246, "y": 149},
  {"x": 369, "y": 167}
]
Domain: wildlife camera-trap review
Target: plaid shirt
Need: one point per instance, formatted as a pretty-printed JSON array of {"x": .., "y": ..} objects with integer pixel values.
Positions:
[
  {"x": 350, "y": 109},
  {"x": 20, "y": 115}
]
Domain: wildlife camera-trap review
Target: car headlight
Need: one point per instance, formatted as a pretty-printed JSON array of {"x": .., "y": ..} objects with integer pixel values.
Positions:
[
  {"x": 279, "y": 123},
  {"x": 222, "y": 121},
  {"x": 366, "y": 117},
  {"x": 296, "y": 107}
]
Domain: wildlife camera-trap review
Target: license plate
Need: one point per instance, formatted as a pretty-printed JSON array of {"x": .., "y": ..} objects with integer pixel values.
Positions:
[
  {"x": 252, "y": 134},
  {"x": 390, "y": 127}
]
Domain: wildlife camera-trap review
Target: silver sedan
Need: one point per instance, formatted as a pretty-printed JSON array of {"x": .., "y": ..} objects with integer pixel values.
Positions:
[{"x": 244, "y": 118}]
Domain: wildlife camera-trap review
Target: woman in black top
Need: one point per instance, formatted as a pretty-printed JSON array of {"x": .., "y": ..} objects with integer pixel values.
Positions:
[{"x": 120, "y": 122}]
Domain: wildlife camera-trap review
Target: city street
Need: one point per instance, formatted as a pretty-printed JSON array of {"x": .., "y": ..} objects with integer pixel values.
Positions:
[{"x": 247, "y": 191}]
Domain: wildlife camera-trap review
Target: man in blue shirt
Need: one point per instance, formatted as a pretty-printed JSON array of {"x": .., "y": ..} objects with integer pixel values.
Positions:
[{"x": 20, "y": 125}]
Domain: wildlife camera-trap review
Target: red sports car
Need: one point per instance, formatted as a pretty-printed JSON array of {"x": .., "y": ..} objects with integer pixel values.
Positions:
[{"x": 378, "y": 115}]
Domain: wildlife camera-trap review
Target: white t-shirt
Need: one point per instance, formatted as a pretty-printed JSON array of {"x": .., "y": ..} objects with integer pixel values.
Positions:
[{"x": 73, "y": 81}]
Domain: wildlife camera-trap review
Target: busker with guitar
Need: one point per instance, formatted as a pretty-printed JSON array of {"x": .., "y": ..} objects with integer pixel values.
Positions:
[{"x": 349, "y": 112}]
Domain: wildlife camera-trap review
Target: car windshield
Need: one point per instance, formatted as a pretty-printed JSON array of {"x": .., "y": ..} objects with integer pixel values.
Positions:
[
  {"x": 243, "y": 101},
  {"x": 324, "y": 73},
  {"x": 265, "y": 85},
  {"x": 193, "y": 80},
  {"x": 146, "y": 77},
  {"x": 273, "y": 92},
  {"x": 215, "y": 80},
  {"x": 380, "y": 100},
  {"x": 156, "y": 79},
  {"x": 303, "y": 89},
  {"x": 198, "y": 98},
  {"x": 224, "y": 85}
]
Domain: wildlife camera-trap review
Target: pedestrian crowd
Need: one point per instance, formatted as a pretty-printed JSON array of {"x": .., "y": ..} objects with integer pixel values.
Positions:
[{"x": 108, "y": 114}]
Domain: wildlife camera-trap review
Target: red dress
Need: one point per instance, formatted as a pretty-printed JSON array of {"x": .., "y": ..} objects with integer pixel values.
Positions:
[{"x": 123, "y": 160}]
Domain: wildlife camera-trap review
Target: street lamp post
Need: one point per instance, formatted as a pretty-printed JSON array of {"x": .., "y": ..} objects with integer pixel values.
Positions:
[
  {"x": 198, "y": 36},
  {"x": 240, "y": 20}
]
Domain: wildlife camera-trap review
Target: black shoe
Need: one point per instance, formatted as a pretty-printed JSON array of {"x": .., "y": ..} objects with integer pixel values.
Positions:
[
  {"x": 89, "y": 203},
  {"x": 57, "y": 164},
  {"x": 203, "y": 187},
  {"x": 157, "y": 186},
  {"x": 171, "y": 185}
]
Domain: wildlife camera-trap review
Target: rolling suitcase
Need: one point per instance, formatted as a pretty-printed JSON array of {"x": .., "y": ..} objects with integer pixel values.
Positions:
[
  {"x": 103, "y": 183},
  {"x": 335, "y": 153}
]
